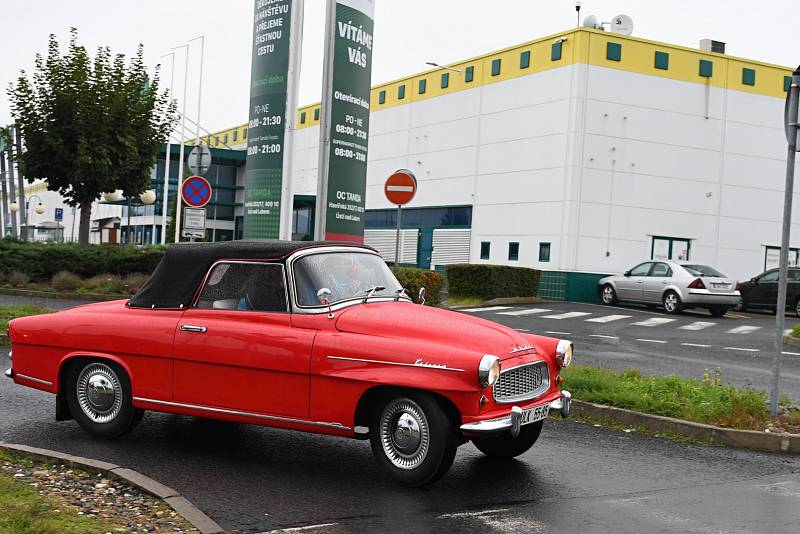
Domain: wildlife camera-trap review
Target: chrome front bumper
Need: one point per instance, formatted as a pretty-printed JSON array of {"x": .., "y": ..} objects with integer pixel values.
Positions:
[
  {"x": 513, "y": 420},
  {"x": 9, "y": 373}
]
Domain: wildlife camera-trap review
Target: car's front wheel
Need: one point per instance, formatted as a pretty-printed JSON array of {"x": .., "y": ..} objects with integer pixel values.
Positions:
[
  {"x": 672, "y": 302},
  {"x": 608, "y": 295},
  {"x": 413, "y": 439},
  {"x": 503, "y": 445},
  {"x": 99, "y": 398}
]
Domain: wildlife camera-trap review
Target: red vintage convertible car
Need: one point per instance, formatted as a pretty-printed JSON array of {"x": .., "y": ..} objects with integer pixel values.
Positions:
[{"x": 318, "y": 337}]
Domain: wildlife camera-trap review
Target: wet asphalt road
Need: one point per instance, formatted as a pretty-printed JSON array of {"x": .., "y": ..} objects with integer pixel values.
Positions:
[{"x": 577, "y": 478}]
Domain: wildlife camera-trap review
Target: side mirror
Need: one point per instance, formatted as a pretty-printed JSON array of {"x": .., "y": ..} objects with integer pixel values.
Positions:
[
  {"x": 753, "y": 280},
  {"x": 627, "y": 273},
  {"x": 324, "y": 297},
  {"x": 423, "y": 293}
]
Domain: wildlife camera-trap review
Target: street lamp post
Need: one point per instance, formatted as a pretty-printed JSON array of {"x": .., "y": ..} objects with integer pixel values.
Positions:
[
  {"x": 147, "y": 197},
  {"x": 39, "y": 209}
]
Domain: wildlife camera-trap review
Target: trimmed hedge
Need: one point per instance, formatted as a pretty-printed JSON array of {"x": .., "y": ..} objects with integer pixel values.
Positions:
[
  {"x": 491, "y": 281},
  {"x": 41, "y": 261},
  {"x": 413, "y": 279}
]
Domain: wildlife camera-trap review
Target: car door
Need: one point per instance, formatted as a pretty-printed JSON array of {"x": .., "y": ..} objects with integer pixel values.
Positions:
[
  {"x": 765, "y": 289},
  {"x": 236, "y": 348},
  {"x": 659, "y": 276},
  {"x": 630, "y": 287}
]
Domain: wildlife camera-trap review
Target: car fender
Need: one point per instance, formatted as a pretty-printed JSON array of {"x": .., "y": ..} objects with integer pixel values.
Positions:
[
  {"x": 672, "y": 287},
  {"x": 71, "y": 356}
]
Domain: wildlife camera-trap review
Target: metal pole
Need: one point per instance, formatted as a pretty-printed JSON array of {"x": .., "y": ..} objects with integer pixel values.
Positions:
[
  {"x": 183, "y": 142},
  {"x": 165, "y": 203},
  {"x": 4, "y": 192},
  {"x": 72, "y": 233},
  {"x": 325, "y": 123},
  {"x": 12, "y": 188},
  {"x": 292, "y": 85},
  {"x": 780, "y": 309},
  {"x": 216, "y": 194},
  {"x": 199, "y": 82},
  {"x": 397, "y": 238},
  {"x": 23, "y": 212}
]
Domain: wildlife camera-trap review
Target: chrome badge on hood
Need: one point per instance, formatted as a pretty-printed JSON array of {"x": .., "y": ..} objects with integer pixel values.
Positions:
[{"x": 522, "y": 348}]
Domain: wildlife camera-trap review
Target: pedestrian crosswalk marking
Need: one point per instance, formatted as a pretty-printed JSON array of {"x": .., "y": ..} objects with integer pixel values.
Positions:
[
  {"x": 524, "y": 312},
  {"x": 488, "y": 308},
  {"x": 697, "y": 325},
  {"x": 607, "y": 318},
  {"x": 568, "y": 315},
  {"x": 654, "y": 321},
  {"x": 743, "y": 329}
]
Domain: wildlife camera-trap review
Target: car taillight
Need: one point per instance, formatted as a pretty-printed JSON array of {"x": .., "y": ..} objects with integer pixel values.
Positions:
[
  {"x": 697, "y": 284},
  {"x": 738, "y": 286}
]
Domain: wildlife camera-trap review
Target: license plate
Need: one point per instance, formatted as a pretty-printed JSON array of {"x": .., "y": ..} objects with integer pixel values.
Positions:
[{"x": 537, "y": 413}]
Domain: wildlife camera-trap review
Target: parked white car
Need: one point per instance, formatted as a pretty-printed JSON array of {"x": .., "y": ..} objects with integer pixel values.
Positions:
[{"x": 675, "y": 285}]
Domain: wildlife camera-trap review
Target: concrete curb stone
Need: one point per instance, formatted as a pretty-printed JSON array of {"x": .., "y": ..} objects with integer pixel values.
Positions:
[
  {"x": 192, "y": 514},
  {"x": 791, "y": 341}
]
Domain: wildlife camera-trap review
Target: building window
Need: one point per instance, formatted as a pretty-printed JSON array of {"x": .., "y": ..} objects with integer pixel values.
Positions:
[
  {"x": 513, "y": 251},
  {"x": 670, "y": 248},
  {"x": 544, "y": 252},
  {"x": 469, "y": 74},
  {"x": 244, "y": 134},
  {"x": 485, "y": 249},
  {"x": 316, "y": 114},
  {"x": 787, "y": 83},
  {"x": 495, "y": 67},
  {"x": 303, "y": 117},
  {"x": 662, "y": 60},
  {"x": 748, "y": 76},
  {"x": 706, "y": 68},
  {"x": 525, "y": 59},
  {"x": 225, "y": 139},
  {"x": 445, "y": 80},
  {"x": 555, "y": 50},
  {"x": 382, "y": 97},
  {"x": 613, "y": 51},
  {"x": 401, "y": 92},
  {"x": 772, "y": 257},
  {"x": 216, "y": 140},
  {"x": 423, "y": 85},
  {"x": 235, "y": 135}
]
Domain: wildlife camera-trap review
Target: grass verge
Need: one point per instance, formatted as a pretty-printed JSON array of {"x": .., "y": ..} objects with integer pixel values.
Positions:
[
  {"x": 12, "y": 312},
  {"x": 706, "y": 401},
  {"x": 463, "y": 301},
  {"x": 796, "y": 330}
]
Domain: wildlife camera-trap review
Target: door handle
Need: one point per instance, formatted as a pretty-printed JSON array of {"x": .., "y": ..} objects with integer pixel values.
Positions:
[{"x": 193, "y": 328}]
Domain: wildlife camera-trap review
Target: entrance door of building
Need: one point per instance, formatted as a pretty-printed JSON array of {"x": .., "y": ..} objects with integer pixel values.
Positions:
[{"x": 425, "y": 248}]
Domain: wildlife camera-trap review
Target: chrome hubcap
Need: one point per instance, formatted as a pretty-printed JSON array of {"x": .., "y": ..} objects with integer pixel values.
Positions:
[
  {"x": 670, "y": 302},
  {"x": 99, "y": 393},
  {"x": 608, "y": 295},
  {"x": 404, "y": 433}
]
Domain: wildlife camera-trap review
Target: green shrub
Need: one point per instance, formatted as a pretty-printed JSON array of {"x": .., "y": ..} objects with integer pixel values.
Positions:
[
  {"x": 2, "y": 277},
  {"x": 134, "y": 281},
  {"x": 104, "y": 283},
  {"x": 413, "y": 279},
  {"x": 65, "y": 281},
  {"x": 18, "y": 279},
  {"x": 491, "y": 281}
]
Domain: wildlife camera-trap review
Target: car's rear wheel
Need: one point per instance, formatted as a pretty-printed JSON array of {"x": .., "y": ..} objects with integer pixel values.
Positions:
[
  {"x": 718, "y": 311},
  {"x": 413, "y": 439},
  {"x": 797, "y": 307},
  {"x": 608, "y": 295},
  {"x": 99, "y": 398},
  {"x": 672, "y": 302},
  {"x": 503, "y": 445}
]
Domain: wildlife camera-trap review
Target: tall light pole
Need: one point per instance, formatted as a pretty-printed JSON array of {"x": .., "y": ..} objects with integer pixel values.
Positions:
[
  {"x": 200, "y": 82},
  {"x": 183, "y": 142},
  {"x": 165, "y": 204}
]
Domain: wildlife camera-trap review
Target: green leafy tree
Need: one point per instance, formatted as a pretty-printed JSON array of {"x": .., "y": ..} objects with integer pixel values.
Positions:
[{"x": 90, "y": 125}]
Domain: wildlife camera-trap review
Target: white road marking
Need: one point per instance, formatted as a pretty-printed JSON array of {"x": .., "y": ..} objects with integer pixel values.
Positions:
[
  {"x": 651, "y": 340},
  {"x": 655, "y": 321},
  {"x": 743, "y": 329},
  {"x": 488, "y": 308},
  {"x": 558, "y": 333},
  {"x": 697, "y": 325},
  {"x": 568, "y": 315},
  {"x": 695, "y": 345},
  {"x": 524, "y": 312},
  {"x": 472, "y": 514},
  {"x": 792, "y": 353},
  {"x": 300, "y": 529},
  {"x": 741, "y": 349},
  {"x": 602, "y": 336},
  {"x": 608, "y": 318}
]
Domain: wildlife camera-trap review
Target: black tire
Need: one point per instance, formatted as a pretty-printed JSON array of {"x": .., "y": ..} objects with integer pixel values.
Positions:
[
  {"x": 423, "y": 453},
  {"x": 718, "y": 311},
  {"x": 672, "y": 302},
  {"x": 502, "y": 445},
  {"x": 104, "y": 410},
  {"x": 608, "y": 295},
  {"x": 797, "y": 307},
  {"x": 743, "y": 306}
]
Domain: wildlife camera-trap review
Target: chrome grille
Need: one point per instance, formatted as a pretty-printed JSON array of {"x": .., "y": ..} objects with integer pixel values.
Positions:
[{"x": 522, "y": 383}]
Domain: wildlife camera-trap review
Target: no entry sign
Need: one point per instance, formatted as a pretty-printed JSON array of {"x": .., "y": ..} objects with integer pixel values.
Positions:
[
  {"x": 196, "y": 191},
  {"x": 400, "y": 187}
]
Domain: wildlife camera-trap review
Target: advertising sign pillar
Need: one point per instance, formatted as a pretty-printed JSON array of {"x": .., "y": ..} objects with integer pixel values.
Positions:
[
  {"x": 276, "y": 61},
  {"x": 345, "y": 120}
]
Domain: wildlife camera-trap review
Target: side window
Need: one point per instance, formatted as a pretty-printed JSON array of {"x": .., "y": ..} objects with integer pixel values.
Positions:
[
  {"x": 771, "y": 276},
  {"x": 642, "y": 269},
  {"x": 661, "y": 270},
  {"x": 245, "y": 287},
  {"x": 794, "y": 275}
]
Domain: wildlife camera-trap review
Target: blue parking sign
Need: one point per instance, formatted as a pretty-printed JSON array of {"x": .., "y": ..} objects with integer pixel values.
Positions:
[{"x": 59, "y": 214}]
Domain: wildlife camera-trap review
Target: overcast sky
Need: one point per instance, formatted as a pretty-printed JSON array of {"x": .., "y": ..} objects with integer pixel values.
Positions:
[{"x": 407, "y": 34}]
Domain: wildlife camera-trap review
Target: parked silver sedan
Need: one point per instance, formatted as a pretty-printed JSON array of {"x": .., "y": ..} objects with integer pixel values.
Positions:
[{"x": 675, "y": 285}]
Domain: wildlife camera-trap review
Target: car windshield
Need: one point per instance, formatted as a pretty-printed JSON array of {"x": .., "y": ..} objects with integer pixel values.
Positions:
[
  {"x": 347, "y": 274},
  {"x": 703, "y": 270}
]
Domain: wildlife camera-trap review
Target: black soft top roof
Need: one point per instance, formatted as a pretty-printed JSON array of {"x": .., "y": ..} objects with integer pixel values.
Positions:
[{"x": 176, "y": 278}]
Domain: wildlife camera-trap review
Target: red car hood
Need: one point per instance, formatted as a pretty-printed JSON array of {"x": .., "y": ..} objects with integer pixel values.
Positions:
[{"x": 403, "y": 320}]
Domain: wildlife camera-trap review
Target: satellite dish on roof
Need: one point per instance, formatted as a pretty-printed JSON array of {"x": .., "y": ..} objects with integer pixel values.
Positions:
[
  {"x": 590, "y": 22},
  {"x": 622, "y": 24}
]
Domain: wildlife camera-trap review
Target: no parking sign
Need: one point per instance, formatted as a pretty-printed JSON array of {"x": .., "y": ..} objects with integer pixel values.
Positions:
[{"x": 196, "y": 191}]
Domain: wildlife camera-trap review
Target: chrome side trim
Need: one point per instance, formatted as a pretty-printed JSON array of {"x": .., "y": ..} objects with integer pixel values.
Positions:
[
  {"x": 32, "y": 379},
  {"x": 337, "y": 426},
  {"x": 418, "y": 364}
]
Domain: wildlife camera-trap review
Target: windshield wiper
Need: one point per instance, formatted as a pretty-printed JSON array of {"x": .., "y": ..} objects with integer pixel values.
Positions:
[
  {"x": 371, "y": 291},
  {"x": 400, "y": 293}
]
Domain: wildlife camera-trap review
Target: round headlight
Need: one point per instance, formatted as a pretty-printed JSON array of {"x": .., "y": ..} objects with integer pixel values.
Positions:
[
  {"x": 564, "y": 353},
  {"x": 488, "y": 370}
]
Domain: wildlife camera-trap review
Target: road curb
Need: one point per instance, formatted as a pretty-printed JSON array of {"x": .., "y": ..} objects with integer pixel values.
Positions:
[
  {"x": 745, "y": 439},
  {"x": 191, "y": 513},
  {"x": 791, "y": 341}
]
